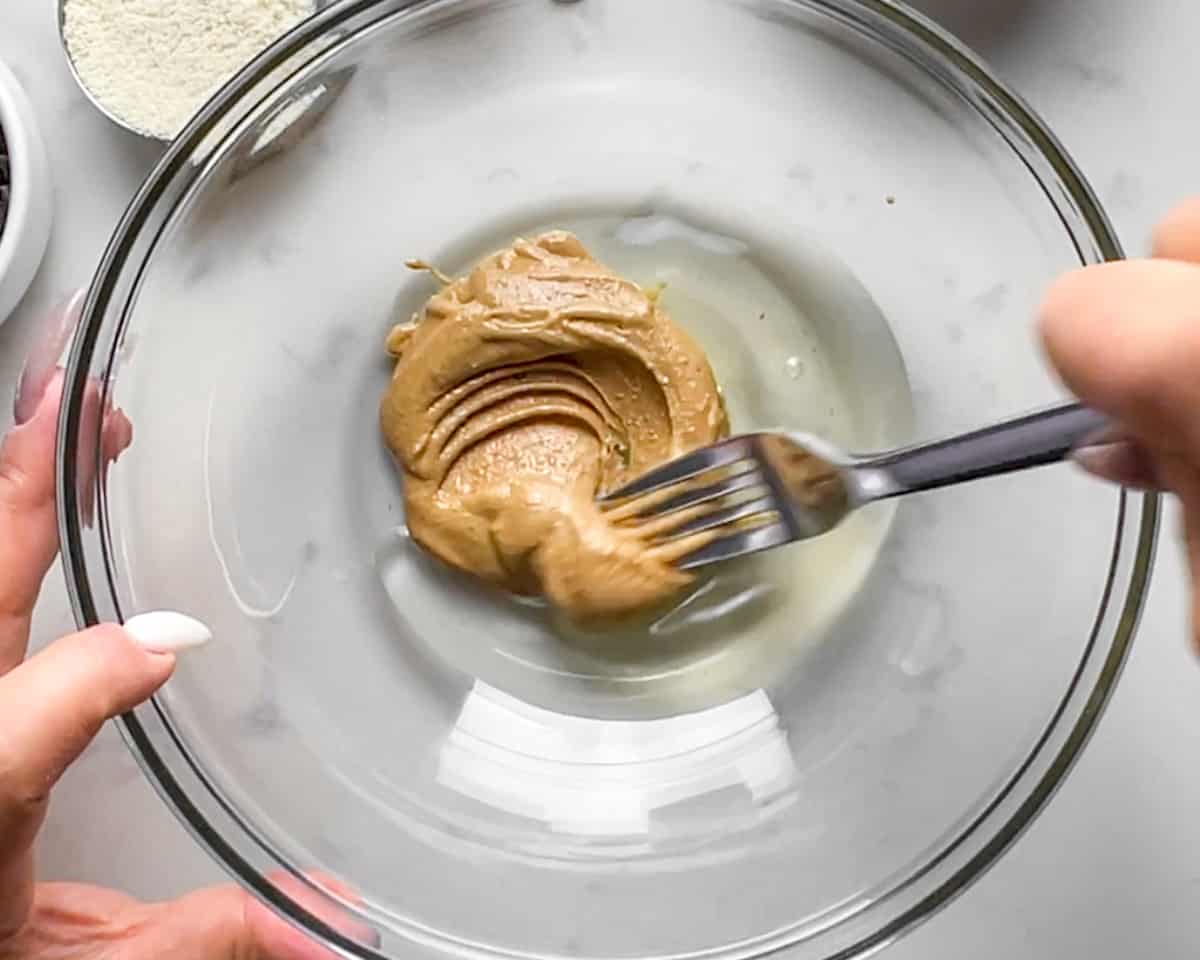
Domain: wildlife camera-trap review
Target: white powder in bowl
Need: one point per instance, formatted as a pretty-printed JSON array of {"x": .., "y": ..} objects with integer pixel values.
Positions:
[{"x": 153, "y": 63}]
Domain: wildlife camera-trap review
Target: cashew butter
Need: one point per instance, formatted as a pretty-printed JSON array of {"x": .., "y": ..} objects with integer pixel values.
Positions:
[{"x": 521, "y": 391}]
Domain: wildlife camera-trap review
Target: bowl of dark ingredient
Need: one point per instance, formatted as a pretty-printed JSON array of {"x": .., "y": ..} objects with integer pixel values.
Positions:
[
  {"x": 532, "y": 249},
  {"x": 25, "y": 195}
]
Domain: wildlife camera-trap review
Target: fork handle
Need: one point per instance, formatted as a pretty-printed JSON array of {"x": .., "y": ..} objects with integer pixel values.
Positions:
[{"x": 1047, "y": 436}]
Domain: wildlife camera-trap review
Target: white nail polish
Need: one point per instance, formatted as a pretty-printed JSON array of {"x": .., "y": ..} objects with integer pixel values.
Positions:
[{"x": 165, "y": 631}]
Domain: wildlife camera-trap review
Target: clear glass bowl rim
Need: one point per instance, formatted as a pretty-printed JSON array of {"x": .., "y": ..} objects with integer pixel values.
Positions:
[{"x": 1027, "y": 791}]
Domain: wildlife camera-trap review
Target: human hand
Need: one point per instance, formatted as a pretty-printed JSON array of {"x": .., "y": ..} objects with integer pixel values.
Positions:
[
  {"x": 1125, "y": 337},
  {"x": 51, "y": 705}
]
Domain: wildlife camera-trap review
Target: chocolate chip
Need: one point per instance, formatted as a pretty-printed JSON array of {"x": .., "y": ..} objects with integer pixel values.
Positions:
[{"x": 5, "y": 181}]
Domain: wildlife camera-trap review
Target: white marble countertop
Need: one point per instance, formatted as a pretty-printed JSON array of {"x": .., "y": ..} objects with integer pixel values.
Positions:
[{"x": 1112, "y": 868}]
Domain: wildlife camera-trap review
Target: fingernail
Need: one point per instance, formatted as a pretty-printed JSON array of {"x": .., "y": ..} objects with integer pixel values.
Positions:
[
  {"x": 46, "y": 355},
  {"x": 1121, "y": 461},
  {"x": 165, "y": 631},
  {"x": 52, "y": 389}
]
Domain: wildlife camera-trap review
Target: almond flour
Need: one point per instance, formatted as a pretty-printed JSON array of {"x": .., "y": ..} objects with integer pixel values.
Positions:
[{"x": 153, "y": 63}]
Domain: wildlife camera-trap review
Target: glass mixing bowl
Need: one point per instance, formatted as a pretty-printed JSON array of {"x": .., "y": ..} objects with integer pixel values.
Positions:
[{"x": 816, "y": 749}]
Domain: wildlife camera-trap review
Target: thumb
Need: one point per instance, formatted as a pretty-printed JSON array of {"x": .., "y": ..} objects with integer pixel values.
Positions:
[
  {"x": 51, "y": 707},
  {"x": 1125, "y": 338},
  {"x": 28, "y": 528}
]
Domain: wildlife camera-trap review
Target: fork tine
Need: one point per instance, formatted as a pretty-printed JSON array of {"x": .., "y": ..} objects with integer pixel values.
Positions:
[
  {"x": 739, "y": 544},
  {"x": 666, "y": 501},
  {"x": 684, "y": 468},
  {"x": 745, "y": 480},
  {"x": 727, "y": 515}
]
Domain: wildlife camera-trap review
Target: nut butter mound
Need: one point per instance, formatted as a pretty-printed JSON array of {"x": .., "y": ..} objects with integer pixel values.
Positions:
[{"x": 521, "y": 391}]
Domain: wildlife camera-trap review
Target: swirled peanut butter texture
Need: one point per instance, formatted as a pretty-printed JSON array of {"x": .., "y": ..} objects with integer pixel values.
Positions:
[{"x": 523, "y": 390}]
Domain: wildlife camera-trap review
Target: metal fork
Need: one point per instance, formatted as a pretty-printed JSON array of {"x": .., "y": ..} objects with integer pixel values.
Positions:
[{"x": 762, "y": 490}]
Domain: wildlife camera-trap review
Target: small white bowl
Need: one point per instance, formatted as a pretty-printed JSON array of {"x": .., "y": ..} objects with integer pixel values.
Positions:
[{"x": 27, "y": 228}]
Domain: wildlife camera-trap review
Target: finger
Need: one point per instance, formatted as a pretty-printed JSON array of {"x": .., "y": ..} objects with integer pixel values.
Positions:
[
  {"x": 1191, "y": 538},
  {"x": 323, "y": 897},
  {"x": 28, "y": 520},
  {"x": 1177, "y": 237},
  {"x": 28, "y": 524},
  {"x": 1121, "y": 461},
  {"x": 45, "y": 355},
  {"x": 1125, "y": 337},
  {"x": 104, "y": 434},
  {"x": 225, "y": 923},
  {"x": 66, "y": 920},
  {"x": 50, "y": 709},
  {"x": 115, "y": 437},
  {"x": 1182, "y": 476}
]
